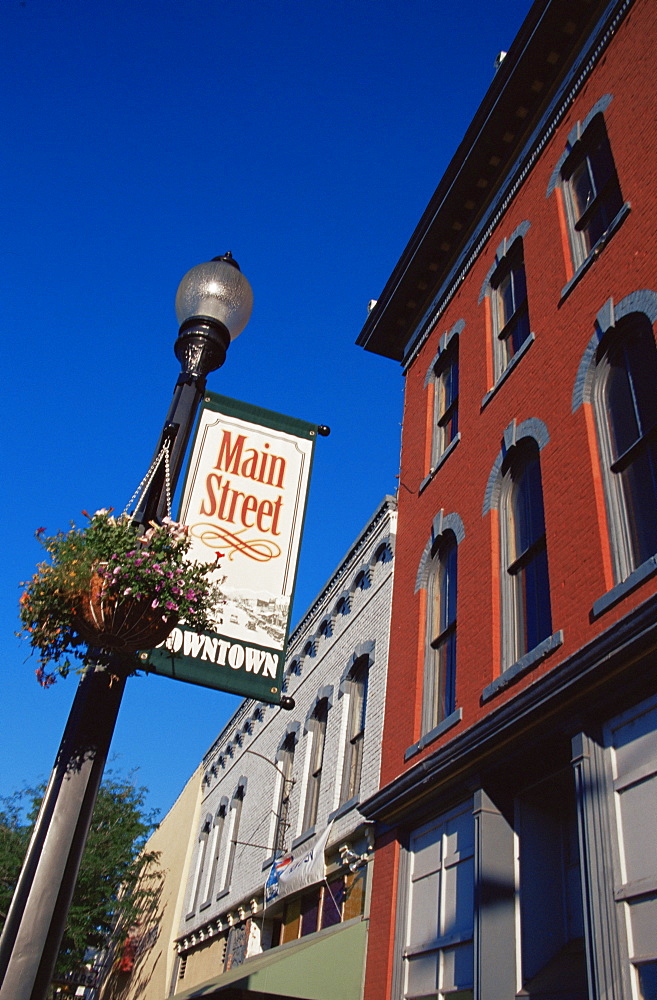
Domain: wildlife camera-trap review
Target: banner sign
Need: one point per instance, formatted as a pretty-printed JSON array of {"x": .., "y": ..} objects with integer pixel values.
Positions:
[
  {"x": 293, "y": 872},
  {"x": 244, "y": 500}
]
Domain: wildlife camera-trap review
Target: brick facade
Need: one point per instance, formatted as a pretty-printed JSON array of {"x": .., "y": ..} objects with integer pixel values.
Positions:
[{"x": 501, "y": 185}]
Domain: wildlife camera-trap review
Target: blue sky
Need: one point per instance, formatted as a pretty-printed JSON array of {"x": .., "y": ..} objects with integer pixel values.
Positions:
[{"x": 305, "y": 136}]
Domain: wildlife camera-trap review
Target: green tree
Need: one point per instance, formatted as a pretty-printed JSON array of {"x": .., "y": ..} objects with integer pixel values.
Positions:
[{"x": 111, "y": 879}]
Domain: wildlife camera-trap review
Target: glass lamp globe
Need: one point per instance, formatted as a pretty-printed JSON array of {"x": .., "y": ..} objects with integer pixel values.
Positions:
[{"x": 217, "y": 290}]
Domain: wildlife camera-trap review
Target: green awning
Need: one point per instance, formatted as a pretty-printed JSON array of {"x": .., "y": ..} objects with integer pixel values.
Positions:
[{"x": 322, "y": 966}]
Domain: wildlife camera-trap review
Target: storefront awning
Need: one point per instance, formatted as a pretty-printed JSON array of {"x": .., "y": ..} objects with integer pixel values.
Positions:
[{"x": 322, "y": 966}]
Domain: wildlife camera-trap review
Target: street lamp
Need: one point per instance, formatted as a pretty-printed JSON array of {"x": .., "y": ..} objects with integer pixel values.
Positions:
[{"x": 213, "y": 305}]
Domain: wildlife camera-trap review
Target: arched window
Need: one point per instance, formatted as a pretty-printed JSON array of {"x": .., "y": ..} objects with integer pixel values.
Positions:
[
  {"x": 505, "y": 288},
  {"x": 440, "y": 647},
  {"x": 353, "y": 760},
  {"x": 317, "y": 730},
  {"x": 383, "y": 554},
  {"x": 625, "y": 405},
  {"x": 285, "y": 761},
  {"x": 509, "y": 307},
  {"x": 592, "y": 192},
  {"x": 446, "y": 400},
  {"x": 342, "y": 607},
  {"x": 526, "y": 614},
  {"x": 437, "y": 576},
  {"x": 586, "y": 180}
]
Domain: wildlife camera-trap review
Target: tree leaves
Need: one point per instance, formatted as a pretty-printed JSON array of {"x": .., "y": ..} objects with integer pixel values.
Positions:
[{"x": 115, "y": 876}]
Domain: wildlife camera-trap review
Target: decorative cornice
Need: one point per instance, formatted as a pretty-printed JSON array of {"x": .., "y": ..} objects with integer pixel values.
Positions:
[{"x": 393, "y": 328}]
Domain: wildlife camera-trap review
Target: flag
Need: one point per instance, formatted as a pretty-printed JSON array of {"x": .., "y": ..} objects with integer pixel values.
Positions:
[{"x": 295, "y": 871}]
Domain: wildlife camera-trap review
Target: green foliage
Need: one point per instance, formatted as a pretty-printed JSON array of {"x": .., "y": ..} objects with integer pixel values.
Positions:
[
  {"x": 151, "y": 567},
  {"x": 115, "y": 876}
]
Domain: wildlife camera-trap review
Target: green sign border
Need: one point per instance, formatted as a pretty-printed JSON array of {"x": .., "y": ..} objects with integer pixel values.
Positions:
[{"x": 205, "y": 673}]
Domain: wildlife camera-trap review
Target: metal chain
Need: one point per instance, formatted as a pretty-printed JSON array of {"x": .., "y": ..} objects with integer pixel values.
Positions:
[
  {"x": 167, "y": 477},
  {"x": 138, "y": 495}
]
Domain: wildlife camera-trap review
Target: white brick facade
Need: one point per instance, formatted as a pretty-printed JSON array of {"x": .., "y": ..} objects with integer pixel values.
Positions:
[{"x": 348, "y": 621}]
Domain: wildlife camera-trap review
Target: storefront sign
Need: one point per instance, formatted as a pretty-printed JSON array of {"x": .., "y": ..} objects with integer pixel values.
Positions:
[{"x": 244, "y": 501}]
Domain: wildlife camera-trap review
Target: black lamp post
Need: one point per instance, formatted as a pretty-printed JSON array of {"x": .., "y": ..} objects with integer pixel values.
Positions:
[{"x": 213, "y": 305}]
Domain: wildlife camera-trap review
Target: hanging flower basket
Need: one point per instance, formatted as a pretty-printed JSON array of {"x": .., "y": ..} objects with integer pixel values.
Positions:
[
  {"x": 109, "y": 587},
  {"x": 122, "y": 624}
]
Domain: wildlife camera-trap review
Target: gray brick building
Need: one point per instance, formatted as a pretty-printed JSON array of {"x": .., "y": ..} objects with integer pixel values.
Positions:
[{"x": 272, "y": 784}]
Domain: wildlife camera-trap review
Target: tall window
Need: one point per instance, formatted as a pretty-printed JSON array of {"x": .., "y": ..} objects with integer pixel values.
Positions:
[
  {"x": 440, "y": 655},
  {"x": 216, "y": 846},
  {"x": 446, "y": 400},
  {"x": 353, "y": 760},
  {"x": 201, "y": 862},
  {"x": 235, "y": 816},
  {"x": 317, "y": 727},
  {"x": 510, "y": 314},
  {"x": 285, "y": 766},
  {"x": 591, "y": 189},
  {"x": 437, "y": 960},
  {"x": 625, "y": 403},
  {"x": 527, "y": 618}
]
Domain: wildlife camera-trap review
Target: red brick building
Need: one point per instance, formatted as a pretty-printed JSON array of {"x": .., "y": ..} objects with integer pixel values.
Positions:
[{"x": 517, "y": 815}]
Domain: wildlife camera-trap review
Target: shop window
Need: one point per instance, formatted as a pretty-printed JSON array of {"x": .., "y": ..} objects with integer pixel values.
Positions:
[
  {"x": 437, "y": 956},
  {"x": 339, "y": 898},
  {"x": 632, "y": 739},
  {"x": 553, "y": 960}
]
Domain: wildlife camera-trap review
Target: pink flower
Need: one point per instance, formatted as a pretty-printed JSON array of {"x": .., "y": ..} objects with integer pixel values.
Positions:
[{"x": 155, "y": 603}]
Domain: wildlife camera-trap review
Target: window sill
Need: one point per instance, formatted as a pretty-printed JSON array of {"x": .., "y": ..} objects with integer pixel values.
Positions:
[
  {"x": 345, "y": 807},
  {"x": 434, "y": 733},
  {"x": 595, "y": 252},
  {"x": 443, "y": 458},
  {"x": 222, "y": 894},
  {"x": 524, "y": 664},
  {"x": 617, "y": 593},
  {"x": 268, "y": 862},
  {"x": 303, "y": 837},
  {"x": 520, "y": 353}
]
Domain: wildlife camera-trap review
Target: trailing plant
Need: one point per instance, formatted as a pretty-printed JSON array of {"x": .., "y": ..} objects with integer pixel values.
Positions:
[{"x": 108, "y": 559}]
